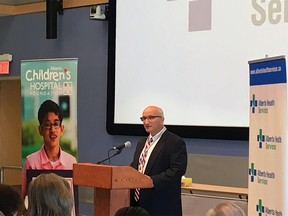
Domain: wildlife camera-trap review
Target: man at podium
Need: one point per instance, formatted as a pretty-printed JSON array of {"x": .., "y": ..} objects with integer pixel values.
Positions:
[{"x": 163, "y": 157}]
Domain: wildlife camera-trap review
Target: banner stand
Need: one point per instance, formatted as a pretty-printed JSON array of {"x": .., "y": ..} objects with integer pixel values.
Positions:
[{"x": 268, "y": 137}]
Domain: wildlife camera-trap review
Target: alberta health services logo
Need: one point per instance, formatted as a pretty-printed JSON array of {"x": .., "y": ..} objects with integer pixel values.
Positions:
[
  {"x": 261, "y": 106},
  {"x": 265, "y": 210},
  {"x": 260, "y": 176},
  {"x": 270, "y": 142}
]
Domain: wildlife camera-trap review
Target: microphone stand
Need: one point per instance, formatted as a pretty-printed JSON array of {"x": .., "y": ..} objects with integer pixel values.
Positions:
[{"x": 118, "y": 152}]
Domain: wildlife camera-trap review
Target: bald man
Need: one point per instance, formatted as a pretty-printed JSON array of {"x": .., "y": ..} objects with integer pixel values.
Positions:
[{"x": 163, "y": 157}]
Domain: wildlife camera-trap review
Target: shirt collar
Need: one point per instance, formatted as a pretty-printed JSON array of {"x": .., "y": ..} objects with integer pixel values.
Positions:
[
  {"x": 45, "y": 159},
  {"x": 158, "y": 135}
]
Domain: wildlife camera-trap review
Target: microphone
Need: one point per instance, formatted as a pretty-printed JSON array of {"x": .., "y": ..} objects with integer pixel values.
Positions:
[{"x": 120, "y": 147}]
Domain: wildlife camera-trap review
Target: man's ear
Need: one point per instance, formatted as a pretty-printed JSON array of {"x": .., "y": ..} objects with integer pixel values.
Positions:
[
  {"x": 40, "y": 130},
  {"x": 62, "y": 128}
]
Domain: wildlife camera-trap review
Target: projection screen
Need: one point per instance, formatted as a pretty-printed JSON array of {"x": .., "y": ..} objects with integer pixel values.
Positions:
[{"x": 191, "y": 59}]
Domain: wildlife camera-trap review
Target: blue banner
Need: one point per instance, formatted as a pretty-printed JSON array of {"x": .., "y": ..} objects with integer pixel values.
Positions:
[{"x": 268, "y": 72}]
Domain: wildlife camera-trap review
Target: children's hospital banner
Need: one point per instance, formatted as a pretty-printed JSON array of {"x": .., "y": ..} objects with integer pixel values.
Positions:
[
  {"x": 268, "y": 173},
  {"x": 42, "y": 80}
]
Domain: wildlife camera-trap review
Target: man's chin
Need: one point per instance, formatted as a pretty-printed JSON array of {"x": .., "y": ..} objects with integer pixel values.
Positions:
[
  {"x": 52, "y": 143},
  {"x": 148, "y": 130}
]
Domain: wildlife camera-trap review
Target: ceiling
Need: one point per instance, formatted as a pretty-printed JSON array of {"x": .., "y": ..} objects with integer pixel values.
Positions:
[
  {"x": 16, "y": 7},
  {"x": 18, "y": 2}
]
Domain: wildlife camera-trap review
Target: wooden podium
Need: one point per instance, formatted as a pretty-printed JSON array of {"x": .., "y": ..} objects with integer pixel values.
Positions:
[{"x": 111, "y": 184}]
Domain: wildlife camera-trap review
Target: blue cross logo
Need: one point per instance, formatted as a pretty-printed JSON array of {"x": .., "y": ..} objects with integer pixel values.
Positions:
[
  {"x": 253, "y": 103},
  {"x": 260, "y": 138}
]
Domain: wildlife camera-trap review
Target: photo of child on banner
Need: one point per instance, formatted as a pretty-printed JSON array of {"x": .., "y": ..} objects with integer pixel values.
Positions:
[{"x": 49, "y": 115}]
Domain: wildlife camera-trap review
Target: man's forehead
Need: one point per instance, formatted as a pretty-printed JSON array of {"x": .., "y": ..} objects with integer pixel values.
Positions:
[
  {"x": 152, "y": 109},
  {"x": 51, "y": 114}
]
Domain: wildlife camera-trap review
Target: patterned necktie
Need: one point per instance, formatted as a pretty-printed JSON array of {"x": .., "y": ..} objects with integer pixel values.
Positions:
[{"x": 141, "y": 165}]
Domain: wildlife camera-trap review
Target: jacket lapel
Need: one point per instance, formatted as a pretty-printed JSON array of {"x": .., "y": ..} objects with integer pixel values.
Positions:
[
  {"x": 139, "y": 150},
  {"x": 159, "y": 146}
]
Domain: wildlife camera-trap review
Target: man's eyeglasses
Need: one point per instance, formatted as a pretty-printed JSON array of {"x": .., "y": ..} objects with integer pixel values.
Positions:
[
  {"x": 48, "y": 125},
  {"x": 150, "y": 117}
]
